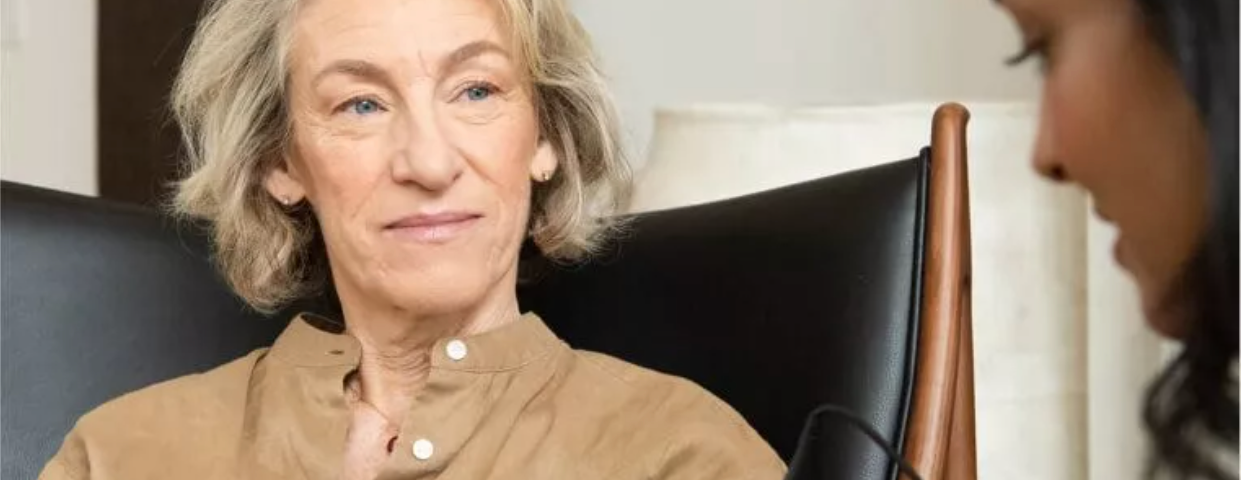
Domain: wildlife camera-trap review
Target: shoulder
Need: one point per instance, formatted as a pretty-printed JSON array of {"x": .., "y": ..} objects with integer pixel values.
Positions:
[
  {"x": 694, "y": 433},
  {"x": 172, "y": 415},
  {"x": 205, "y": 392},
  {"x": 165, "y": 405},
  {"x": 674, "y": 397}
]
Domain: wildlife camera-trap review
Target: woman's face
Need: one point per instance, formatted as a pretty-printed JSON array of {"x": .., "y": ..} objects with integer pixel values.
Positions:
[
  {"x": 1116, "y": 121},
  {"x": 414, "y": 139}
]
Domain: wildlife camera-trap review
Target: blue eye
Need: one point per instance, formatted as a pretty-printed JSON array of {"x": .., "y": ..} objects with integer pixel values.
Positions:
[
  {"x": 364, "y": 106},
  {"x": 478, "y": 93}
]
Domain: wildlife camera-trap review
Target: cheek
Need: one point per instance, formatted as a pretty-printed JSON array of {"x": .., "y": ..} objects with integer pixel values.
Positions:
[
  {"x": 342, "y": 173},
  {"x": 500, "y": 153}
]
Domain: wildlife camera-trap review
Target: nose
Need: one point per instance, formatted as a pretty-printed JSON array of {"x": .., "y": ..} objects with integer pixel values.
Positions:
[
  {"x": 425, "y": 155},
  {"x": 1046, "y": 159}
]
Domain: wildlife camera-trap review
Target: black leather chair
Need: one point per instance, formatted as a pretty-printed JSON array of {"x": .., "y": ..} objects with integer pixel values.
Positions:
[{"x": 777, "y": 302}]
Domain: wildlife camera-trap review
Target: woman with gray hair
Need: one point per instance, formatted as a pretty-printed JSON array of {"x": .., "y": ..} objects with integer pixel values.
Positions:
[{"x": 403, "y": 150}]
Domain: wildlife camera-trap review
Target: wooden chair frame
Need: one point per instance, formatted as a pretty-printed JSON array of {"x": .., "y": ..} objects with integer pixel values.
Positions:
[{"x": 940, "y": 436}]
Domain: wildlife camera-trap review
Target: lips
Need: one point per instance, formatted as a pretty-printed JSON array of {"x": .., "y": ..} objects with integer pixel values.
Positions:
[
  {"x": 433, "y": 228},
  {"x": 1119, "y": 248}
]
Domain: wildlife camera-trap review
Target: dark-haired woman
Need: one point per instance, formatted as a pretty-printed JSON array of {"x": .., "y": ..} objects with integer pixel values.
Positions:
[{"x": 1140, "y": 108}]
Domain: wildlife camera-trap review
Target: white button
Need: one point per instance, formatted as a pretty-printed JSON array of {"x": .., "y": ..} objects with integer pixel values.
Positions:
[
  {"x": 423, "y": 449},
  {"x": 456, "y": 349}
]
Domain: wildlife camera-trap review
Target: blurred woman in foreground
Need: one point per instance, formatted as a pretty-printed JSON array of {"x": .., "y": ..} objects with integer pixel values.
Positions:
[{"x": 1140, "y": 108}]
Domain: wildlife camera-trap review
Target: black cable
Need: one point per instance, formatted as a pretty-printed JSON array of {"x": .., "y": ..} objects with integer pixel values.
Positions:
[{"x": 871, "y": 432}]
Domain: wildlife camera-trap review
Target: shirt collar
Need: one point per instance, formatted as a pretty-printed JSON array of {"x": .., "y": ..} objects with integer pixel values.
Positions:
[{"x": 315, "y": 341}]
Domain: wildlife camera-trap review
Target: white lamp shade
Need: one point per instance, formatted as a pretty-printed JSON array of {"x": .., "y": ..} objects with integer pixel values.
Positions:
[{"x": 704, "y": 153}]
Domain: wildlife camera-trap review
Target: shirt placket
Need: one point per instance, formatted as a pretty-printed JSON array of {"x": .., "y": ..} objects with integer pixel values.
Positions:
[{"x": 443, "y": 416}]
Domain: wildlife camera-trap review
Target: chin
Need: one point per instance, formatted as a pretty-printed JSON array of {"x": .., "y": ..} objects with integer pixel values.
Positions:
[
  {"x": 1165, "y": 312},
  {"x": 437, "y": 295},
  {"x": 1163, "y": 307},
  {"x": 444, "y": 280}
]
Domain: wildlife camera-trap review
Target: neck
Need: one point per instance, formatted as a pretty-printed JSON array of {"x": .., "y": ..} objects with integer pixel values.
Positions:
[{"x": 396, "y": 344}]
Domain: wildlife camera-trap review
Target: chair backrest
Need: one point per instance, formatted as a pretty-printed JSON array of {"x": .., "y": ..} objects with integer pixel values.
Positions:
[
  {"x": 777, "y": 302},
  {"x": 99, "y": 299},
  {"x": 852, "y": 290}
]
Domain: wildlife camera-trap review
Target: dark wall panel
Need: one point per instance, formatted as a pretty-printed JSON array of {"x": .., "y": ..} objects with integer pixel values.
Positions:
[{"x": 141, "y": 43}]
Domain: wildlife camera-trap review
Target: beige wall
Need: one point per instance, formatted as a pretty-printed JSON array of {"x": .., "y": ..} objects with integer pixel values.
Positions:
[
  {"x": 800, "y": 52},
  {"x": 788, "y": 52},
  {"x": 47, "y": 94}
]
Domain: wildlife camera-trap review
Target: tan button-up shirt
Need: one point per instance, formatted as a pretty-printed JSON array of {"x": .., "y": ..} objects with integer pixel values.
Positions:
[{"x": 512, "y": 403}]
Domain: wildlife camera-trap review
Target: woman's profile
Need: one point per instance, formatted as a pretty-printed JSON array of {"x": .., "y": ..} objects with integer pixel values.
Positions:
[{"x": 1140, "y": 109}]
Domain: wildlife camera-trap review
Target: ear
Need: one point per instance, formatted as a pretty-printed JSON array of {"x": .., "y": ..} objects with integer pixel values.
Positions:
[
  {"x": 543, "y": 166},
  {"x": 284, "y": 185}
]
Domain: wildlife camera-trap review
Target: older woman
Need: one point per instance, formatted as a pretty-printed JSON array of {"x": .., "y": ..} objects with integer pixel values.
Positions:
[{"x": 403, "y": 150}]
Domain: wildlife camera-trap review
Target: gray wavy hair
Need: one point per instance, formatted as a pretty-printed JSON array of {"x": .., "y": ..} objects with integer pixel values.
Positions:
[{"x": 230, "y": 102}]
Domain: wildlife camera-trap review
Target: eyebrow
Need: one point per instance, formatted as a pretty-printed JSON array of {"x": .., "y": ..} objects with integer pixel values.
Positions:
[
  {"x": 469, "y": 51},
  {"x": 370, "y": 71},
  {"x": 354, "y": 68}
]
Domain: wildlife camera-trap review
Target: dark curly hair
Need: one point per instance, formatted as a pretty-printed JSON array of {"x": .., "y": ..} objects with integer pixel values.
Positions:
[{"x": 1192, "y": 407}]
